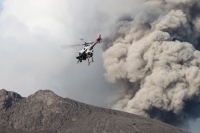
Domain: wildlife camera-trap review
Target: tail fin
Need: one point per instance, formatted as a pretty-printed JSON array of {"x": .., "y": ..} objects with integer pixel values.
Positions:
[{"x": 99, "y": 38}]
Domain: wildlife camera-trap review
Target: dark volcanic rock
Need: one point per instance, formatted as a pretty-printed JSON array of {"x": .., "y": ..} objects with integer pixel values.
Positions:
[
  {"x": 8, "y": 98},
  {"x": 45, "y": 112}
]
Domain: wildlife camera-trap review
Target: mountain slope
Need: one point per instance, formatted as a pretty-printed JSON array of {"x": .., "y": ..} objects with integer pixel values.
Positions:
[{"x": 45, "y": 112}]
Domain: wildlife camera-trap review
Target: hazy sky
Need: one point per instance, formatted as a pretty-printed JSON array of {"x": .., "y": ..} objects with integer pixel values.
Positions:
[{"x": 31, "y": 59}]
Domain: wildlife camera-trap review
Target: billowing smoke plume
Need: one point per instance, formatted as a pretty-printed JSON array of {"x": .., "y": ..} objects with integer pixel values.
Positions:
[{"x": 153, "y": 53}]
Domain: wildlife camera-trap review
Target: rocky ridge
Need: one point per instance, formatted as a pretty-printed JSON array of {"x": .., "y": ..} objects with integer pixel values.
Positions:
[{"x": 45, "y": 112}]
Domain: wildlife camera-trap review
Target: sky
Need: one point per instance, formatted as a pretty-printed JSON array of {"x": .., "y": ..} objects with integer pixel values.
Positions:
[{"x": 31, "y": 33}]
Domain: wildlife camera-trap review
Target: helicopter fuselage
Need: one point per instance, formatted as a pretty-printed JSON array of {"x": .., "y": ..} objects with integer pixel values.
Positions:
[{"x": 85, "y": 53}]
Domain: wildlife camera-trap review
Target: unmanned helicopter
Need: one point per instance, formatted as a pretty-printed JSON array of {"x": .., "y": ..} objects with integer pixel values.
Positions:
[{"x": 87, "y": 52}]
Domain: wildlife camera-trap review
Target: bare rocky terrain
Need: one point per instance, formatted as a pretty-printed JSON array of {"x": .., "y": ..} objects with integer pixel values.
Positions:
[{"x": 45, "y": 112}]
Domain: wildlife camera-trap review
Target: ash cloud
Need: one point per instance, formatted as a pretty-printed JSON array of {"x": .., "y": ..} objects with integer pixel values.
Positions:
[{"x": 154, "y": 54}]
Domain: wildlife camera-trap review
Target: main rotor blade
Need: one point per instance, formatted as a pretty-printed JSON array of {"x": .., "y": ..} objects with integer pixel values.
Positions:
[
  {"x": 90, "y": 43},
  {"x": 75, "y": 45},
  {"x": 70, "y": 46}
]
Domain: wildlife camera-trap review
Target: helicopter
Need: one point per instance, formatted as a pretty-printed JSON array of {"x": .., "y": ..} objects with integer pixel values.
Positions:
[{"x": 87, "y": 52}]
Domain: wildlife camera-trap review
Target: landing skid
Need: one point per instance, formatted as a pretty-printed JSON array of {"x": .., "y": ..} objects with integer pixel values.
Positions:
[
  {"x": 80, "y": 60},
  {"x": 90, "y": 61}
]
